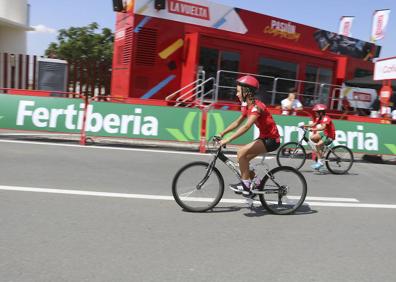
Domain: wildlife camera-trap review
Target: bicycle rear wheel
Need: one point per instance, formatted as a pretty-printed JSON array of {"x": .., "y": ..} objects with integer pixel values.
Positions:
[
  {"x": 283, "y": 190},
  {"x": 291, "y": 154},
  {"x": 339, "y": 159},
  {"x": 196, "y": 190}
]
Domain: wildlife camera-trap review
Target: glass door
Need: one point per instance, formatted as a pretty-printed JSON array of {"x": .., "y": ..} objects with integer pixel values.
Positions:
[
  {"x": 212, "y": 60},
  {"x": 317, "y": 86}
]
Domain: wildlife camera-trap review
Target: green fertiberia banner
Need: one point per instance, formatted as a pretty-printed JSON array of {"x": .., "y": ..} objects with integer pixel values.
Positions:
[
  {"x": 168, "y": 123},
  {"x": 103, "y": 119},
  {"x": 365, "y": 137}
]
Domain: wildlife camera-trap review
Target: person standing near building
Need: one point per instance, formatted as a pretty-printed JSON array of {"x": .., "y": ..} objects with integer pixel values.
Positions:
[{"x": 291, "y": 104}]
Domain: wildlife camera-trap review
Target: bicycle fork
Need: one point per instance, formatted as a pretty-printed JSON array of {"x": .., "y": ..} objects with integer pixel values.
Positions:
[{"x": 207, "y": 174}]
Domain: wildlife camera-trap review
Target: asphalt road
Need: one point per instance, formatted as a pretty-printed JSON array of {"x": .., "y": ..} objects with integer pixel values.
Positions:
[{"x": 71, "y": 213}]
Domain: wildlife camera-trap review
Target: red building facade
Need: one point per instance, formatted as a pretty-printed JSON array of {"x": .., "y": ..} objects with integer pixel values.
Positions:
[{"x": 157, "y": 52}]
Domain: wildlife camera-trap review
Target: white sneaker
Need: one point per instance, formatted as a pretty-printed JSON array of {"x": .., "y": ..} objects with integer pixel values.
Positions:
[{"x": 239, "y": 188}]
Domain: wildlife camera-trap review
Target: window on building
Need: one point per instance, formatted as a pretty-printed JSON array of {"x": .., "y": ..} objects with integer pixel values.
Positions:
[
  {"x": 229, "y": 62},
  {"x": 286, "y": 73},
  {"x": 212, "y": 60},
  {"x": 317, "y": 86}
]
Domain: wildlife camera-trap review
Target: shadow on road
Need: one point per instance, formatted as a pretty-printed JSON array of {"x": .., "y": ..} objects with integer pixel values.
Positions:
[
  {"x": 257, "y": 210},
  {"x": 260, "y": 211}
]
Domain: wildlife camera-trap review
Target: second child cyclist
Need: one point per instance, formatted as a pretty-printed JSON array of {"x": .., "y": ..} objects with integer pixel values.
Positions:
[
  {"x": 323, "y": 132},
  {"x": 255, "y": 112}
]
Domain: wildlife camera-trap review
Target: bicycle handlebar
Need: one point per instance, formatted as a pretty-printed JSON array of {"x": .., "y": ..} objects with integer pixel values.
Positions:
[{"x": 216, "y": 139}]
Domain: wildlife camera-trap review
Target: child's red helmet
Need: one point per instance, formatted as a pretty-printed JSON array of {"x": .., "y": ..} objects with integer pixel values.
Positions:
[
  {"x": 249, "y": 81},
  {"x": 319, "y": 107}
]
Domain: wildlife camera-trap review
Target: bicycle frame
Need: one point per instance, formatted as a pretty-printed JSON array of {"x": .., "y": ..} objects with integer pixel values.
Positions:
[
  {"x": 234, "y": 168},
  {"x": 327, "y": 147},
  {"x": 311, "y": 144}
]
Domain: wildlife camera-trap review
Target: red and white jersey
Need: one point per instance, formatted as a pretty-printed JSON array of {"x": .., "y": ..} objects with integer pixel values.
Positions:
[
  {"x": 329, "y": 130},
  {"x": 264, "y": 122}
]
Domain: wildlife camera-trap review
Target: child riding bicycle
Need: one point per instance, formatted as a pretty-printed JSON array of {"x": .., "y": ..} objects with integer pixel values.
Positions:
[
  {"x": 323, "y": 132},
  {"x": 256, "y": 113}
]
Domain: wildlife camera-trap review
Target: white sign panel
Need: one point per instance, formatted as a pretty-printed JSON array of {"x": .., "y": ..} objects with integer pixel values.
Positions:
[
  {"x": 385, "y": 69},
  {"x": 361, "y": 98},
  {"x": 199, "y": 12}
]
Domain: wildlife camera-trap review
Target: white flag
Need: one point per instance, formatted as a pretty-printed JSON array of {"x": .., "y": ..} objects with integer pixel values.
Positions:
[
  {"x": 380, "y": 20},
  {"x": 345, "y": 26}
]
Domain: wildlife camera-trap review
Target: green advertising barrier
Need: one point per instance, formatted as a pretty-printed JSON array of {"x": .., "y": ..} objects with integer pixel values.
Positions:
[
  {"x": 168, "y": 123},
  {"x": 141, "y": 121},
  {"x": 103, "y": 118},
  {"x": 371, "y": 138},
  {"x": 42, "y": 114}
]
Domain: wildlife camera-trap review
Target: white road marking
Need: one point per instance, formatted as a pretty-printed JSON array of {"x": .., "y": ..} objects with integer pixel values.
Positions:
[
  {"x": 329, "y": 199},
  {"x": 309, "y": 201}
]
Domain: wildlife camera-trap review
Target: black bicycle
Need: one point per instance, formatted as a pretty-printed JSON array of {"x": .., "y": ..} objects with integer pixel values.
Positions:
[
  {"x": 338, "y": 159},
  {"x": 199, "y": 186}
]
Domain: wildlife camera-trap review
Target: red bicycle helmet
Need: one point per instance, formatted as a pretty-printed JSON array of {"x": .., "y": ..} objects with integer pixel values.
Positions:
[
  {"x": 249, "y": 81},
  {"x": 319, "y": 107}
]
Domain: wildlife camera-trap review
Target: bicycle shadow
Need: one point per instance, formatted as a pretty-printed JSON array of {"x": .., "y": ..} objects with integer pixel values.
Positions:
[
  {"x": 305, "y": 209},
  {"x": 224, "y": 209},
  {"x": 326, "y": 172},
  {"x": 258, "y": 210}
]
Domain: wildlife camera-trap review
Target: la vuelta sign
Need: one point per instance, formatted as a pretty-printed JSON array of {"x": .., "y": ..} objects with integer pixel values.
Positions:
[
  {"x": 188, "y": 9},
  {"x": 385, "y": 69}
]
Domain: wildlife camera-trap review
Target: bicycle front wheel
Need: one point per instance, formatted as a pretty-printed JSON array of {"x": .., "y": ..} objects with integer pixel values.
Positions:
[
  {"x": 196, "y": 189},
  {"x": 339, "y": 159},
  {"x": 283, "y": 190},
  {"x": 291, "y": 154}
]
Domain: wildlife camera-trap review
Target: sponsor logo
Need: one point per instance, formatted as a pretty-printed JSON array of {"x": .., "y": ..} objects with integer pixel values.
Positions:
[
  {"x": 389, "y": 69},
  {"x": 188, "y": 9},
  {"x": 72, "y": 119},
  {"x": 282, "y": 30},
  {"x": 361, "y": 96},
  {"x": 380, "y": 20}
]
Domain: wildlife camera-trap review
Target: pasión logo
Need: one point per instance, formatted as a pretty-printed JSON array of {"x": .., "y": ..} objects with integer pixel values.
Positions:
[
  {"x": 282, "y": 30},
  {"x": 73, "y": 119}
]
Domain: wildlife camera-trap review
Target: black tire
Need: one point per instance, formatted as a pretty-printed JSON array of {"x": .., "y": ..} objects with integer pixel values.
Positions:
[
  {"x": 291, "y": 154},
  {"x": 339, "y": 159},
  {"x": 186, "y": 194},
  {"x": 294, "y": 190}
]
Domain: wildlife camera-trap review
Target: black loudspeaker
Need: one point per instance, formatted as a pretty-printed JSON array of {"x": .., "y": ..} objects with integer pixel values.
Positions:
[
  {"x": 159, "y": 4},
  {"x": 118, "y": 6}
]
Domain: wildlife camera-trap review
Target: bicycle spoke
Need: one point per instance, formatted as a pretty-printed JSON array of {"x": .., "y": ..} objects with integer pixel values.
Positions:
[
  {"x": 339, "y": 159},
  {"x": 187, "y": 194},
  {"x": 197, "y": 189},
  {"x": 291, "y": 154},
  {"x": 287, "y": 195}
]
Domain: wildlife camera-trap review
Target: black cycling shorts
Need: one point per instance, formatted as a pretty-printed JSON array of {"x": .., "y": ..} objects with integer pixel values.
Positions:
[{"x": 270, "y": 144}]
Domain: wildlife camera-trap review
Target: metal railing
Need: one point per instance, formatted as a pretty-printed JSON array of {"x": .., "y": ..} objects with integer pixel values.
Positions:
[
  {"x": 311, "y": 92},
  {"x": 320, "y": 91},
  {"x": 196, "y": 92}
]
